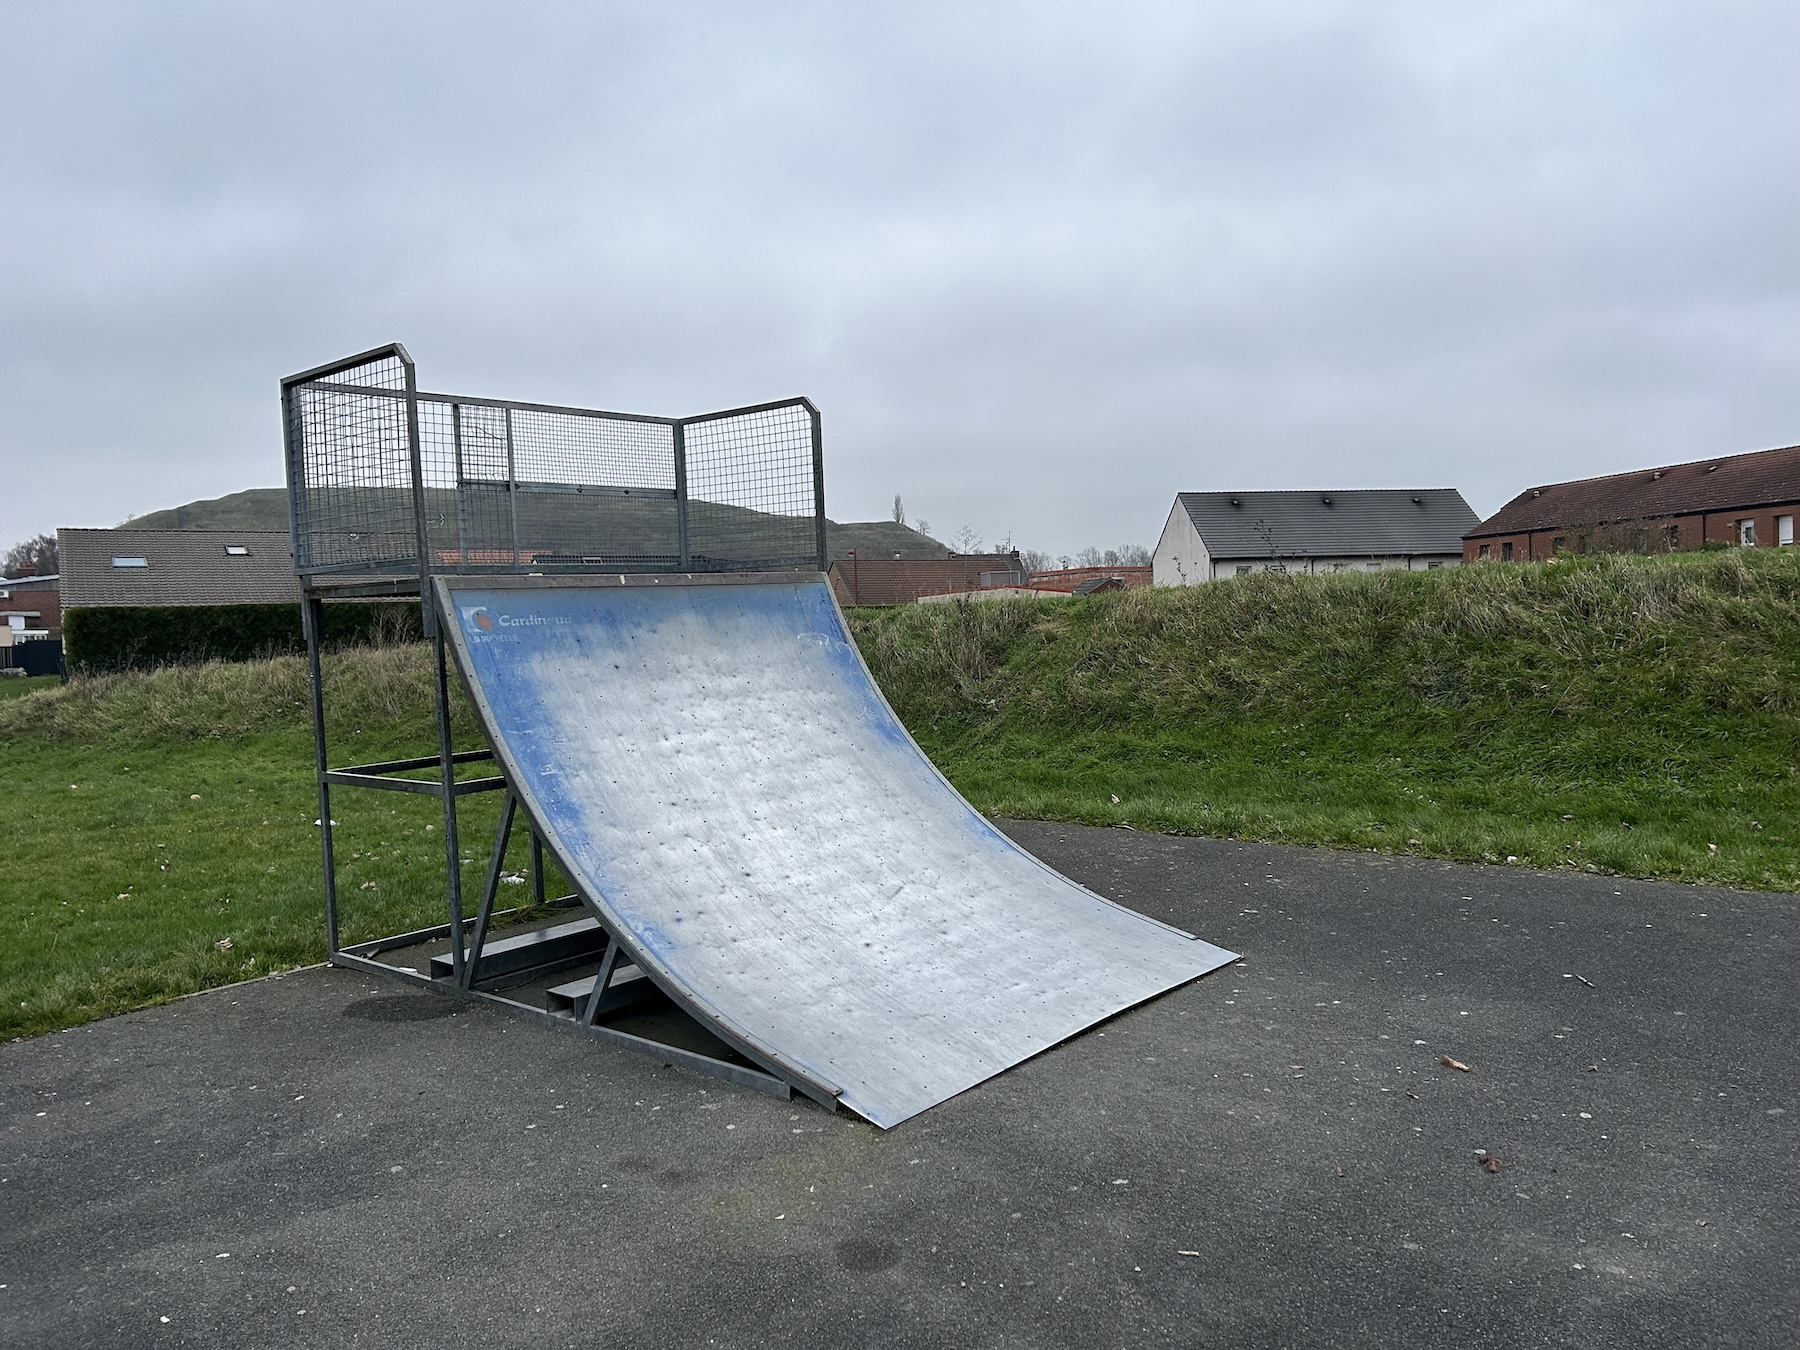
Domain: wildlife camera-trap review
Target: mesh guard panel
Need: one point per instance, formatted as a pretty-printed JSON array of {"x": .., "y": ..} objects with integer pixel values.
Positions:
[{"x": 376, "y": 470}]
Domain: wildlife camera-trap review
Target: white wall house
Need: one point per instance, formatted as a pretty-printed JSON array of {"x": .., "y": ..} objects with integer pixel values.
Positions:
[{"x": 1214, "y": 535}]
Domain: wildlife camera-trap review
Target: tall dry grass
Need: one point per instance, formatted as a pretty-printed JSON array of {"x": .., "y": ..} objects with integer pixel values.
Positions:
[
  {"x": 1709, "y": 631},
  {"x": 383, "y": 690}
]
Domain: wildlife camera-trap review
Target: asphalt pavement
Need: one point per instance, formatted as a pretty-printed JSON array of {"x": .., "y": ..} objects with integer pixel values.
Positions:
[{"x": 1276, "y": 1155}]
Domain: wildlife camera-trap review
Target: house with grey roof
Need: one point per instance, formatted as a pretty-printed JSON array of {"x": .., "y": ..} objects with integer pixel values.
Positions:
[
  {"x": 137, "y": 597},
  {"x": 1214, "y": 535},
  {"x": 156, "y": 569}
]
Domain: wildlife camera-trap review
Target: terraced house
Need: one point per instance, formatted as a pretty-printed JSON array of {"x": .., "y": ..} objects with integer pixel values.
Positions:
[{"x": 1748, "y": 500}]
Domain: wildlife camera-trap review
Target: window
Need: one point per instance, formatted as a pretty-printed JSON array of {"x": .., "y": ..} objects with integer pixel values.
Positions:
[
  {"x": 131, "y": 562},
  {"x": 1671, "y": 537},
  {"x": 1374, "y": 567},
  {"x": 1641, "y": 542},
  {"x": 1483, "y": 552},
  {"x": 1432, "y": 566},
  {"x": 236, "y": 551},
  {"x": 1339, "y": 567},
  {"x": 1244, "y": 569},
  {"x": 1506, "y": 551},
  {"x": 1784, "y": 529},
  {"x": 1747, "y": 532},
  {"x": 1558, "y": 544}
]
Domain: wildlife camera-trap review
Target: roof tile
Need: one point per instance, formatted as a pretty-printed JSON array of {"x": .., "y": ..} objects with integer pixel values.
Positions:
[
  {"x": 184, "y": 567},
  {"x": 1358, "y": 522},
  {"x": 1759, "y": 478}
]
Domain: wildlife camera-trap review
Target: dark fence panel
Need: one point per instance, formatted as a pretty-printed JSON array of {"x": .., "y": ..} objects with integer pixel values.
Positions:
[{"x": 39, "y": 656}]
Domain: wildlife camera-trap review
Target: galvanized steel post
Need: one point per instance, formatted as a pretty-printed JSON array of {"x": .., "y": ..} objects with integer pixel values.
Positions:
[{"x": 681, "y": 494}]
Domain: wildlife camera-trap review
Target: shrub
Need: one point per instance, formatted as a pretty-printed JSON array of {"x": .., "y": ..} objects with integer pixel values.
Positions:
[{"x": 131, "y": 637}]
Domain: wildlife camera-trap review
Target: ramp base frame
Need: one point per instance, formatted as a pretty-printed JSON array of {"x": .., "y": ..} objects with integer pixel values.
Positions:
[{"x": 465, "y": 983}]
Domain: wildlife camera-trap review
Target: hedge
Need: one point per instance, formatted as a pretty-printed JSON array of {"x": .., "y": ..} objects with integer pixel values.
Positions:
[{"x": 127, "y": 637}]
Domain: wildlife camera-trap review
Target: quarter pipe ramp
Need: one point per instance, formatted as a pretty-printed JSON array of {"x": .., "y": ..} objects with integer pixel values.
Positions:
[{"x": 721, "y": 779}]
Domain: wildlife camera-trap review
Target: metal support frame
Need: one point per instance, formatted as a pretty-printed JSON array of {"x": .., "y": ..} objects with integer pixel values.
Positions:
[
  {"x": 447, "y": 784},
  {"x": 818, "y": 455},
  {"x": 485, "y": 911},
  {"x": 679, "y": 433},
  {"x": 467, "y": 942},
  {"x": 602, "y": 982},
  {"x": 340, "y": 582},
  {"x": 312, "y": 615}
]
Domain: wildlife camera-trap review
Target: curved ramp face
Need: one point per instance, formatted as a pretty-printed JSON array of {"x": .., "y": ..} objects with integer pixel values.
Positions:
[{"x": 719, "y": 776}]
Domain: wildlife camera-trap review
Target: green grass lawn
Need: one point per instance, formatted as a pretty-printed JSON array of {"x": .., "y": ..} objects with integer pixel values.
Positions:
[
  {"x": 1618, "y": 715},
  {"x": 19, "y": 685},
  {"x": 153, "y": 817}
]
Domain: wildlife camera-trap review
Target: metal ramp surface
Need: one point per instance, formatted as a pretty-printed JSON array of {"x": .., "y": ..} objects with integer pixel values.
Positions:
[{"x": 719, "y": 776}]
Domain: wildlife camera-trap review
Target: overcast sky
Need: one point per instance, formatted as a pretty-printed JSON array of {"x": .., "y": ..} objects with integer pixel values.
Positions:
[{"x": 1041, "y": 265}]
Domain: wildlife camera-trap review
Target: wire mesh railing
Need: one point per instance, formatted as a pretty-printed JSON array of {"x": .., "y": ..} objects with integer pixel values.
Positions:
[
  {"x": 350, "y": 467},
  {"x": 385, "y": 479}
]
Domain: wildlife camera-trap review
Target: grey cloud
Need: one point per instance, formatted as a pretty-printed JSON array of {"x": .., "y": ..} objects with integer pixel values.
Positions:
[{"x": 1041, "y": 265}]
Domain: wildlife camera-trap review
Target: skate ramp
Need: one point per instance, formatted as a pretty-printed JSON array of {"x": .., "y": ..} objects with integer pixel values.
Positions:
[{"x": 721, "y": 779}]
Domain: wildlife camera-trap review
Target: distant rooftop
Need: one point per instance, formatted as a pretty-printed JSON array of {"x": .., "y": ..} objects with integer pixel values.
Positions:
[
  {"x": 1356, "y": 522},
  {"x": 176, "y": 567},
  {"x": 1724, "y": 483}
]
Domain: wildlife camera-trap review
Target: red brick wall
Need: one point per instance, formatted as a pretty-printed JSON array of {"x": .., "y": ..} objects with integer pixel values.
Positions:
[
  {"x": 900, "y": 581},
  {"x": 45, "y": 600},
  {"x": 1068, "y": 578},
  {"x": 1693, "y": 530}
]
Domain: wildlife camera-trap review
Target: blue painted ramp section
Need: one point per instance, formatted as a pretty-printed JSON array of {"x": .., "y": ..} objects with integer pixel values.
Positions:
[{"x": 720, "y": 777}]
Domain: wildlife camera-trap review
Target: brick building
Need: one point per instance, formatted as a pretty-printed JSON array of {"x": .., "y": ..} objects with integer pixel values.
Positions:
[
  {"x": 1749, "y": 499},
  {"x": 30, "y": 625},
  {"x": 900, "y": 581},
  {"x": 31, "y": 604},
  {"x": 1073, "y": 579}
]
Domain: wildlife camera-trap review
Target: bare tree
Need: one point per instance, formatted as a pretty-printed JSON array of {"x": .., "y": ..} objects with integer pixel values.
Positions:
[
  {"x": 924, "y": 528},
  {"x": 36, "y": 557},
  {"x": 899, "y": 510},
  {"x": 1035, "y": 560},
  {"x": 967, "y": 540},
  {"x": 1277, "y": 561}
]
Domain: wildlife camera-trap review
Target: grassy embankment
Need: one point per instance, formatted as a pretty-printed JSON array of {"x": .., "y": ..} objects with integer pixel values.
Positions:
[
  {"x": 1629, "y": 715},
  {"x": 1637, "y": 716}
]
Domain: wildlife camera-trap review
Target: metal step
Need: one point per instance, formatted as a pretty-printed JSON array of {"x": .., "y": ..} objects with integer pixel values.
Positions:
[
  {"x": 629, "y": 987},
  {"x": 560, "y": 943}
]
